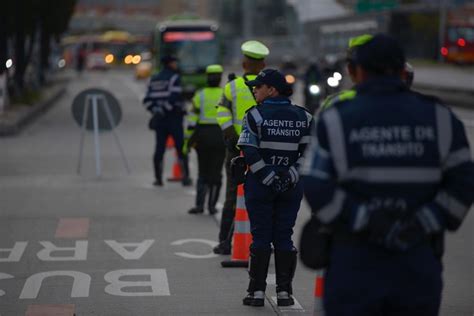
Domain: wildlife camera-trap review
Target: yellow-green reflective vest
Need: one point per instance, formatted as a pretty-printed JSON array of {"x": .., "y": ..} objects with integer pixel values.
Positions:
[
  {"x": 205, "y": 104},
  {"x": 336, "y": 97},
  {"x": 240, "y": 99}
]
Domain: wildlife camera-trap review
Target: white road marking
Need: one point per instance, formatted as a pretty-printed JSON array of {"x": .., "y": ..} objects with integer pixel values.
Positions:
[
  {"x": 211, "y": 243},
  {"x": 297, "y": 308}
]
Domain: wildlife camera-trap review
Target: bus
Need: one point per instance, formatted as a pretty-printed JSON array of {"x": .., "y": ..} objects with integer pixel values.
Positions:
[
  {"x": 458, "y": 46},
  {"x": 195, "y": 44}
]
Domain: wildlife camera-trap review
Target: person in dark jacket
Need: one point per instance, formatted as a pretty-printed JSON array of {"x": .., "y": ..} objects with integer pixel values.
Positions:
[
  {"x": 165, "y": 102},
  {"x": 389, "y": 171},
  {"x": 274, "y": 136}
]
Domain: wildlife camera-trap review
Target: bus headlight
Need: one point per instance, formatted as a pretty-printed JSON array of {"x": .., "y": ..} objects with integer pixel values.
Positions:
[
  {"x": 128, "y": 59},
  {"x": 290, "y": 79},
  {"x": 136, "y": 59},
  {"x": 314, "y": 89},
  {"x": 109, "y": 58}
]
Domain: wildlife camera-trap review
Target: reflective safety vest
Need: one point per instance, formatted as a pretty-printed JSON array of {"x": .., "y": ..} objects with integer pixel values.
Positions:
[
  {"x": 205, "y": 104},
  {"x": 237, "y": 99},
  {"x": 343, "y": 95}
]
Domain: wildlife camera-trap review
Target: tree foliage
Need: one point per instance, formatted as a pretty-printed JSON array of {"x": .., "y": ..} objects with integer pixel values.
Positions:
[{"x": 26, "y": 23}]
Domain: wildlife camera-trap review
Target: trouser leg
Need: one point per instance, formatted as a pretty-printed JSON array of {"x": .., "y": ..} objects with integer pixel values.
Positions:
[
  {"x": 201, "y": 190},
  {"x": 228, "y": 211},
  {"x": 160, "y": 144},
  {"x": 285, "y": 266},
  {"x": 259, "y": 261}
]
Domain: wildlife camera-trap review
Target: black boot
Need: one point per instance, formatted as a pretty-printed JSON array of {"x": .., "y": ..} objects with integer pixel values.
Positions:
[
  {"x": 259, "y": 261},
  {"x": 214, "y": 191},
  {"x": 158, "y": 166},
  {"x": 285, "y": 266},
  {"x": 201, "y": 191},
  {"x": 223, "y": 248}
]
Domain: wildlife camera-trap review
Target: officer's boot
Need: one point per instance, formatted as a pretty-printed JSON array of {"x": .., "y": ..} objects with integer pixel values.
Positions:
[
  {"x": 214, "y": 191},
  {"x": 186, "y": 181},
  {"x": 158, "y": 166},
  {"x": 201, "y": 190},
  {"x": 285, "y": 266},
  {"x": 259, "y": 261}
]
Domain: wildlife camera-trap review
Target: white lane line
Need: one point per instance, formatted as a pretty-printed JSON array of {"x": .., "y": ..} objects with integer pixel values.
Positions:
[{"x": 297, "y": 308}]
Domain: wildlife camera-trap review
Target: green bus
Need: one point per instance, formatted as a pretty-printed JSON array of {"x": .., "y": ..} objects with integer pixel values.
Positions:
[{"x": 195, "y": 43}]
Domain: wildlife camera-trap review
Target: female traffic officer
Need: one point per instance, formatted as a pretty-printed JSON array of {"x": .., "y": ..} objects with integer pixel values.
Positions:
[{"x": 274, "y": 136}]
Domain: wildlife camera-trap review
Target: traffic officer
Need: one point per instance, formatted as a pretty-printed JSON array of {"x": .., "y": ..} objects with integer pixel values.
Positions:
[
  {"x": 236, "y": 100},
  {"x": 273, "y": 139},
  {"x": 165, "y": 102},
  {"x": 207, "y": 138},
  {"x": 389, "y": 171}
]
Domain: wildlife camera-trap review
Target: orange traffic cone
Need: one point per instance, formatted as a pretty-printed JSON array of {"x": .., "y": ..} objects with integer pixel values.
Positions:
[
  {"x": 318, "y": 294},
  {"x": 176, "y": 173},
  {"x": 169, "y": 142},
  {"x": 242, "y": 237}
]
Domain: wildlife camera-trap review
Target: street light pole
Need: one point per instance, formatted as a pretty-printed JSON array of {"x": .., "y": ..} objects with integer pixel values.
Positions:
[
  {"x": 247, "y": 18},
  {"x": 442, "y": 26}
]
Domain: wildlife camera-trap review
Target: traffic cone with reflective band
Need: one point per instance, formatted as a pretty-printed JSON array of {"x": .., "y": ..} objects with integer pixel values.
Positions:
[
  {"x": 318, "y": 294},
  {"x": 170, "y": 142},
  {"x": 242, "y": 237},
  {"x": 176, "y": 172}
]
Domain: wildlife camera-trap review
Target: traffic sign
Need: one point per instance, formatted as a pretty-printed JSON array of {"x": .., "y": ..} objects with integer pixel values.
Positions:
[{"x": 105, "y": 102}]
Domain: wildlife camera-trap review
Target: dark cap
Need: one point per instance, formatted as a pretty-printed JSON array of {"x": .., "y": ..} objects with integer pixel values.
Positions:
[
  {"x": 167, "y": 59},
  {"x": 379, "y": 55},
  {"x": 272, "y": 78}
]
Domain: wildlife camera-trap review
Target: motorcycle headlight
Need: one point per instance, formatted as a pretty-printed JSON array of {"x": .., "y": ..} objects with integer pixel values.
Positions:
[
  {"x": 333, "y": 82},
  {"x": 314, "y": 89}
]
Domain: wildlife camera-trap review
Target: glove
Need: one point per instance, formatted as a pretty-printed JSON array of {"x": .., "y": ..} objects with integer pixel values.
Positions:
[
  {"x": 394, "y": 233},
  {"x": 185, "y": 149},
  {"x": 231, "y": 138},
  {"x": 281, "y": 183}
]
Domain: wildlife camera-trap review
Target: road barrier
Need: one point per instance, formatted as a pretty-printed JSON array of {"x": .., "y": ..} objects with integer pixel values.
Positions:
[{"x": 242, "y": 237}]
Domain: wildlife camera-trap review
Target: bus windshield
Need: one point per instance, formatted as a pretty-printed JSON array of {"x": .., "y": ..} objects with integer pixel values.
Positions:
[{"x": 194, "y": 49}]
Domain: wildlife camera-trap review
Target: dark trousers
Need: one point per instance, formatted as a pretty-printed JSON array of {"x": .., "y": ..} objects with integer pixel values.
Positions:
[
  {"x": 170, "y": 125},
  {"x": 272, "y": 215},
  {"x": 228, "y": 211},
  {"x": 211, "y": 153},
  {"x": 365, "y": 280}
]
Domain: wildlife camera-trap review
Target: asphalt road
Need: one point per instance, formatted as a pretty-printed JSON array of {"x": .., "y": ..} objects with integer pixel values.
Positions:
[{"x": 116, "y": 245}]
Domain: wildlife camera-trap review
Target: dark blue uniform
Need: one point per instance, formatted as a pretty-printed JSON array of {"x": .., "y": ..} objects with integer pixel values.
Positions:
[
  {"x": 389, "y": 171},
  {"x": 273, "y": 139},
  {"x": 164, "y": 100}
]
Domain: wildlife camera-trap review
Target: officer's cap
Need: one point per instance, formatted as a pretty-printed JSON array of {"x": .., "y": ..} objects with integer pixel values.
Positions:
[
  {"x": 167, "y": 59},
  {"x": 214, "y": 69},
  {"x": 272, "y": 78},
  {"x": 254, "y": 49},
  {"x": 378, "y": 54}
]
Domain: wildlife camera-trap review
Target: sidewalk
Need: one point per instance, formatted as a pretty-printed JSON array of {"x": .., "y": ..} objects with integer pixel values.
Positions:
[
  {"x": 18, "y": 115},
  {"x": 453, "y": 84}
]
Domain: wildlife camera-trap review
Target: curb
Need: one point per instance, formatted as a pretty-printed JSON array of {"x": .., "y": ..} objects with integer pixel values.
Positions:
[
  {"x": 451, "y": 96},
  {"x": 20, "y": 117}
]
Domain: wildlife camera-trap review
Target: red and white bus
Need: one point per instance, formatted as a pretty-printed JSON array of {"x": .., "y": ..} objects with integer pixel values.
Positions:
[{"x": 458, "y": 46}]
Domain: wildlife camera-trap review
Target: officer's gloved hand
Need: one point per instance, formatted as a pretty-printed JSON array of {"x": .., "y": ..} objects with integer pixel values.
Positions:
[
  {"x": 158, "y": 112},
  {"x": 281, "y": 183},
  {"x": 388, "y": 230},
  {"x": 231, "y": 138}
]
